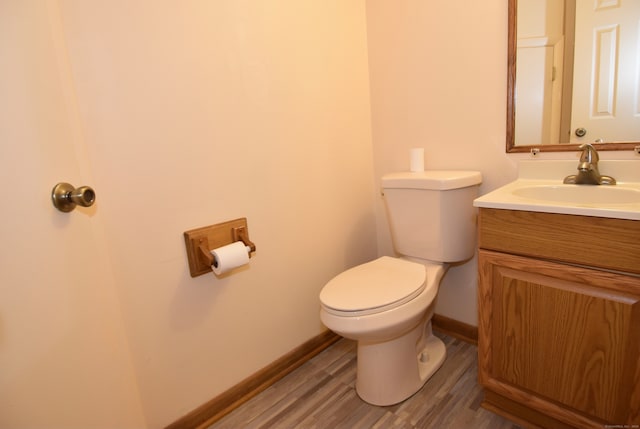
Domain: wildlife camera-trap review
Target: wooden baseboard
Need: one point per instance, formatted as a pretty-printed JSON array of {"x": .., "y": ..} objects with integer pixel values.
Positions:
[
  {"x": 456, "y": 329},
  {"x": 228, "y": 401}
]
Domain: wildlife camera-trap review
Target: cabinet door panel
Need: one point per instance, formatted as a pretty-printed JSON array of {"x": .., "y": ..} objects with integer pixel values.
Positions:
[{"x": 565, "y": 334}]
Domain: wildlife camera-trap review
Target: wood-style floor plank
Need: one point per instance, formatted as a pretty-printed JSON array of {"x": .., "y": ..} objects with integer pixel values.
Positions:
[{"x": 321, "y": 394}]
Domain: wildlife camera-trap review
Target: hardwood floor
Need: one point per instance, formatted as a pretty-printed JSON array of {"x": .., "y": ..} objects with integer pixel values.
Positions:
[{"x": 321, "y": 394}]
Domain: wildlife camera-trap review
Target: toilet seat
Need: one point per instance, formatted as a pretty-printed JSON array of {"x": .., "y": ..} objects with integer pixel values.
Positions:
[{"x": 373, "y": 287}]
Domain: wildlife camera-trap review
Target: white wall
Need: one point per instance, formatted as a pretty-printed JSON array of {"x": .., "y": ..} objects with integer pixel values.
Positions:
[
  {"x": 200, "y": 112},
  {"x": 537, "y": 18},
  {"x": 438, "y": 73}
]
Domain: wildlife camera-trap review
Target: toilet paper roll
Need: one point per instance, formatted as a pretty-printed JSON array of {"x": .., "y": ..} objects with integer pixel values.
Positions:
[
  {"x": 417, "y": 159},
  {"x": 228, "y": 257}
]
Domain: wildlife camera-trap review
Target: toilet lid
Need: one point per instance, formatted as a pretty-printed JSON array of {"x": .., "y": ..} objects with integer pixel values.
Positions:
[{"x": 381, "y": 284}]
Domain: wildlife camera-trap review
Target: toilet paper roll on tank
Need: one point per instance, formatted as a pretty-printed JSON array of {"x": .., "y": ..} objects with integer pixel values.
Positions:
[
  {"x": 416, "y": 156},
  {"x": 229, "y": 257}
]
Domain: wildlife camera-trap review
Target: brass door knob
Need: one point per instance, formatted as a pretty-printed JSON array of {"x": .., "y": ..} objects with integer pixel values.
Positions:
[{"x": 65, "y": 197}]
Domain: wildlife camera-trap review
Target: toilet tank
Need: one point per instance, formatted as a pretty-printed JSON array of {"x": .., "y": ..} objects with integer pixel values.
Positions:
[{"x": 431, "y": 213}]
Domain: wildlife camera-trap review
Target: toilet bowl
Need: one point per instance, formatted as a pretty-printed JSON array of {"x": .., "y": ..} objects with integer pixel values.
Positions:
[
  {"x": 386, "y": 304},
  {"x": 397, "y": 352}
]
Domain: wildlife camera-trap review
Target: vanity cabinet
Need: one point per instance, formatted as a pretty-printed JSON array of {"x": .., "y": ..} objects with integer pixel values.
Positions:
[{"x": 559, "y": 318}]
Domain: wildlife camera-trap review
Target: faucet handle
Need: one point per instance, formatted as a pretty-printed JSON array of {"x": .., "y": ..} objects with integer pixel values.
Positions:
[{"x": 589, "y": 153}]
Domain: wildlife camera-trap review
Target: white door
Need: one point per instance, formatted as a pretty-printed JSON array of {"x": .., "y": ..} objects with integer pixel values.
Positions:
[
  {"x": 63, "y": 355},
  {"x": 606, "y": 91}
]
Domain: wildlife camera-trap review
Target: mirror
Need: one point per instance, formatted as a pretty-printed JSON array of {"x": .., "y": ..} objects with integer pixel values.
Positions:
[{"x": 551, "y": 51}]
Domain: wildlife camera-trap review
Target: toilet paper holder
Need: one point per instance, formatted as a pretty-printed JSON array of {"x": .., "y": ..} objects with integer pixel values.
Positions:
[{"x": 200, "y": 242}]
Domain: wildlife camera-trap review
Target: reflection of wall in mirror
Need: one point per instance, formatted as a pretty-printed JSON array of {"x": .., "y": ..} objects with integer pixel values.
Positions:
[{"x": 540, "y": 46}]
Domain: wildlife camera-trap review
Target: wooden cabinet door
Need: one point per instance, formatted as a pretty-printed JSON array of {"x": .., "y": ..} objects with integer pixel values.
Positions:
[{"x": 563, "y": 340}]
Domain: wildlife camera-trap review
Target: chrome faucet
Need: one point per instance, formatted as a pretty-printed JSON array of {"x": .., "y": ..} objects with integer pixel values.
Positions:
[{"x": 588, "y": 173}]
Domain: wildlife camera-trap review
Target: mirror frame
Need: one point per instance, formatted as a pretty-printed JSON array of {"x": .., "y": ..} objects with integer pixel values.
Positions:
[{"x": 511, "y": 102}]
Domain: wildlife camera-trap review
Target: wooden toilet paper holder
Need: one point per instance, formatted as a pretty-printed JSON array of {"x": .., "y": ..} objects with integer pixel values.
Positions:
[{"x": 201, "y": 241}]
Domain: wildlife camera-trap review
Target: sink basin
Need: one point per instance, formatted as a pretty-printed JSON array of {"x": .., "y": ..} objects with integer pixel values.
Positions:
[
  {"x": 580, "y": 194},
  {"x": 539, "y": 188}
]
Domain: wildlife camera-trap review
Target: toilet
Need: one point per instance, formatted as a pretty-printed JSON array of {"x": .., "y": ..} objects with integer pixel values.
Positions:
[{"x": 386, "y": 304}]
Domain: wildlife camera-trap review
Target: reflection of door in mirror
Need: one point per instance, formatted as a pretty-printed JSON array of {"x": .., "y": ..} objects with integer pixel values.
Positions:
[{"x": 606, "y": 100}]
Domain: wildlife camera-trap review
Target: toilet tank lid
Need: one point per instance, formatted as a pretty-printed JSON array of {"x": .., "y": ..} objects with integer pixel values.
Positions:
[{"x": 438, "y": 180}]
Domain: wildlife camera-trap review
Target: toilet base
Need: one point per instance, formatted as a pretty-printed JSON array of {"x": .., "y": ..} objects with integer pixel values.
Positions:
[{"x": 390, "y": 372}]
